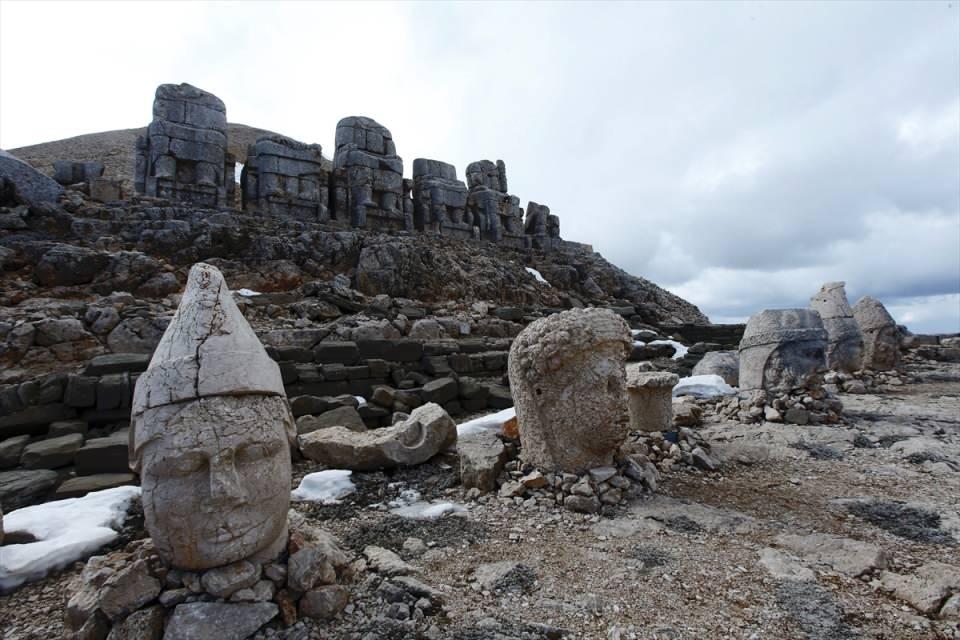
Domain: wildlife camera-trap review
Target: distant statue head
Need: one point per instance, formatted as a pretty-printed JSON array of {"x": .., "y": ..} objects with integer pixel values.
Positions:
[
  {"x": 881, "y": 337},
  {"x": 844, "y": 340},
  {"x": 782, "y": 349},
  {"x": 211, "y": 435},
  {"x": 568, "y": 381}
]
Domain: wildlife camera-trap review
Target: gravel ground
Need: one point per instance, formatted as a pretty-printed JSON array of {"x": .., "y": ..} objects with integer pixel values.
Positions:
[{"x": 687, "y": 572}]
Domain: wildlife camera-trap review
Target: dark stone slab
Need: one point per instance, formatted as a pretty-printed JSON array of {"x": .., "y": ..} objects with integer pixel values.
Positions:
[
  {"x": 82, "y": 485},
  {"x": 118, "y": 363},
  {"x": 224, "y": 621},
  {"x": 51, "y": 453},
  {"x": 24, "y": 487},
  {"x": 336, "y": 352},
  {"x": 81, "y": 391},
  {"x": 104, "y": 455},
  {"x": 440, "y": 391},
  {"x": 34, "y": 420},
  {"x": 26, "y": 184}
]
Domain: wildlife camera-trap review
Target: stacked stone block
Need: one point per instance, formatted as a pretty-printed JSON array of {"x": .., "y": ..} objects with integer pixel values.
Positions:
[
  {"x": 284, "y": 177},
  {"x": 542, "y": 227},
  {"x": 184, "y": 154},
  {"x": 440, "y": 200},
  {"x": 497, "y": 213},
  {"x": 369, "y": 176}
]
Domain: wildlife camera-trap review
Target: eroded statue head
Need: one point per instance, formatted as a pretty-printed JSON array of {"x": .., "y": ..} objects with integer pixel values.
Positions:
[{"x": 211, "y": 435}]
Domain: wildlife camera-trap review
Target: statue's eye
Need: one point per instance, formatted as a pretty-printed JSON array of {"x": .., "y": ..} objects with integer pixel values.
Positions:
[
  {"x": 256, "y": 451},
  {"x": 181, "y": 465}
]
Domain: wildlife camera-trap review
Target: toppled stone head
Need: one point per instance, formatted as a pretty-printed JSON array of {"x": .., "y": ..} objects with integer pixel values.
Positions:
[
  {"x": 881, "y": 337},
  {"x": 569, "y": 387},
  {"x": 211, "y": 435},
  {"x": 844, "y": 340},
  {"x": 782, "y": 349}
]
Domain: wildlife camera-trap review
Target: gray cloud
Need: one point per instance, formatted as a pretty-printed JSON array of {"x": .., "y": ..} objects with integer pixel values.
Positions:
[{"x": 739, "y": 154}]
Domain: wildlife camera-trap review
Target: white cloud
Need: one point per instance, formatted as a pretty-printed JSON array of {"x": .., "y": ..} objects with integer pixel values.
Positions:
[{"x": 738, "y": 154}]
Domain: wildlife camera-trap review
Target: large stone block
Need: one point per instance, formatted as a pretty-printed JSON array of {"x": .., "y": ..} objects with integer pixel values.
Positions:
[
  {"x": 22, "y": 184},
  {"x": 104, "y": 455},
  {"x": 34, "y": 420},
  {"x": 426, "y": 432},
  {"x": 51, "y": 453}
]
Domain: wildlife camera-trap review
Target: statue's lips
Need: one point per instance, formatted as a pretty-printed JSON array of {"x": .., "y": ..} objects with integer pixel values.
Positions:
[{"x": 232, "y": 529}]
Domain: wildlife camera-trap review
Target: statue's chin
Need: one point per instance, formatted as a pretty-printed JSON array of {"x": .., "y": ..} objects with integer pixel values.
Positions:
[{"x": 217, "y": 553}]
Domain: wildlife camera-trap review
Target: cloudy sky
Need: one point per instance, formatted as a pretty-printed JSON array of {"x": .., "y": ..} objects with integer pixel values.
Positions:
[{"x": 738, "y": 154}]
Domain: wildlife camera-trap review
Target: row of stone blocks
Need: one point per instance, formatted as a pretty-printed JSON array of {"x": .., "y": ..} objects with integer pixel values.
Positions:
[{"x": 184, "y": 157}]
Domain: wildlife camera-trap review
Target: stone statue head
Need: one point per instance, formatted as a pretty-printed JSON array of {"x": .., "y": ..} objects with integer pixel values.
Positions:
[
  {"x": 782, "y": 349},
  {"x": 881, "y": 337},
  {"x": 568, "y": 382},
  {"x": 211, "y": 435},
  {"x": 844, "y": 340}
]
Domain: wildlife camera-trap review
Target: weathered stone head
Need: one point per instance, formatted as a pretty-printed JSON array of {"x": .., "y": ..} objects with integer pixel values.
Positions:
[
  {"x": 568, "y": 382},
  {"x": 782, "y": 349},
  {"x": 881, "y": 338},
  {"x": 211, "y": 435},
  {"x": 844, "y": 341}
]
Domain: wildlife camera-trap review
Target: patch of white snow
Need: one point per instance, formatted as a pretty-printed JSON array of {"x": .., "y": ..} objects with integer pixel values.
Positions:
[
  {"x": 488, "y": 422},
  {"x": 705, "y": 386},
  {"x": 325, "y": 487},
  {"x": 65, "y": 531},
  {"x": 247, "y": 293},
  {"x": 680, "y": 349},
  {"x": 428, "y": 510},
  {"x": 539, "y": 277}
]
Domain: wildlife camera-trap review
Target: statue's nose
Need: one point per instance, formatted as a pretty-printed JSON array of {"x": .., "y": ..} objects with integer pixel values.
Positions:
[{"x": 224, "y": 483}]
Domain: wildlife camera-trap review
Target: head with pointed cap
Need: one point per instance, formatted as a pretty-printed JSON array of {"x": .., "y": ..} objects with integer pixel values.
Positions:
[{"x": 211, "y": 435}]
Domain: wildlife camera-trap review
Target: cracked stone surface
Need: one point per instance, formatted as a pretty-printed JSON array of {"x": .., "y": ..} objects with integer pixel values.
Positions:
[
  {"x": 211, "y": 435},
  {"x": 568, "y": 381}
]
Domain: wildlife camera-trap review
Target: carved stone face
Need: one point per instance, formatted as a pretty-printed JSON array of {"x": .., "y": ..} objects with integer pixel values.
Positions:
[
  {"x": 569, "y": 385},
  {"x": 216, "y": 479},
  {"x": 793, "y": 364}
]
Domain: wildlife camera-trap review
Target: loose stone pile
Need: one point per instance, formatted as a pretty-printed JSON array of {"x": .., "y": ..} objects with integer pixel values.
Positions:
[
  {"x": 133, "y": 592},
  {"x": 588, "y": 492}
]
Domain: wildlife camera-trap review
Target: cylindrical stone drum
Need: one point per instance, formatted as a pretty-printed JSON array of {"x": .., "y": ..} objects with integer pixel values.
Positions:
[{"x": 650, "y": 395}]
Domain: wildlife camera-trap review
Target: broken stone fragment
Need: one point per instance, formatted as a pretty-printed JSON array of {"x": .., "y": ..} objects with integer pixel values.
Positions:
[
  {"x": 482, "y": 456},
  {"x": 425, "y": 433}
]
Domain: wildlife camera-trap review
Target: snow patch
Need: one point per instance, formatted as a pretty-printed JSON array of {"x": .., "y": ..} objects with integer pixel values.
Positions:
[
  {"x": 247, "y": 293},
  {"x": 536, "y": 274},
  {"x": 422, "y": 510},
  {"x": 488, "y": 422},
  {"x": 65, "y": 531},
  {"x": 325, "y": 487},
  {"x": 705, "y": 386},
  {"x": 360, "y": 400},
  {"x": 680, "y": 349},
  {"x": 406, "y": 498}
]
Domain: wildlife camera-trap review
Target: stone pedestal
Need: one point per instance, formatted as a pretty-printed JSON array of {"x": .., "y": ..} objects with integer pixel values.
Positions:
[{"x": 650, "y": 395}]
